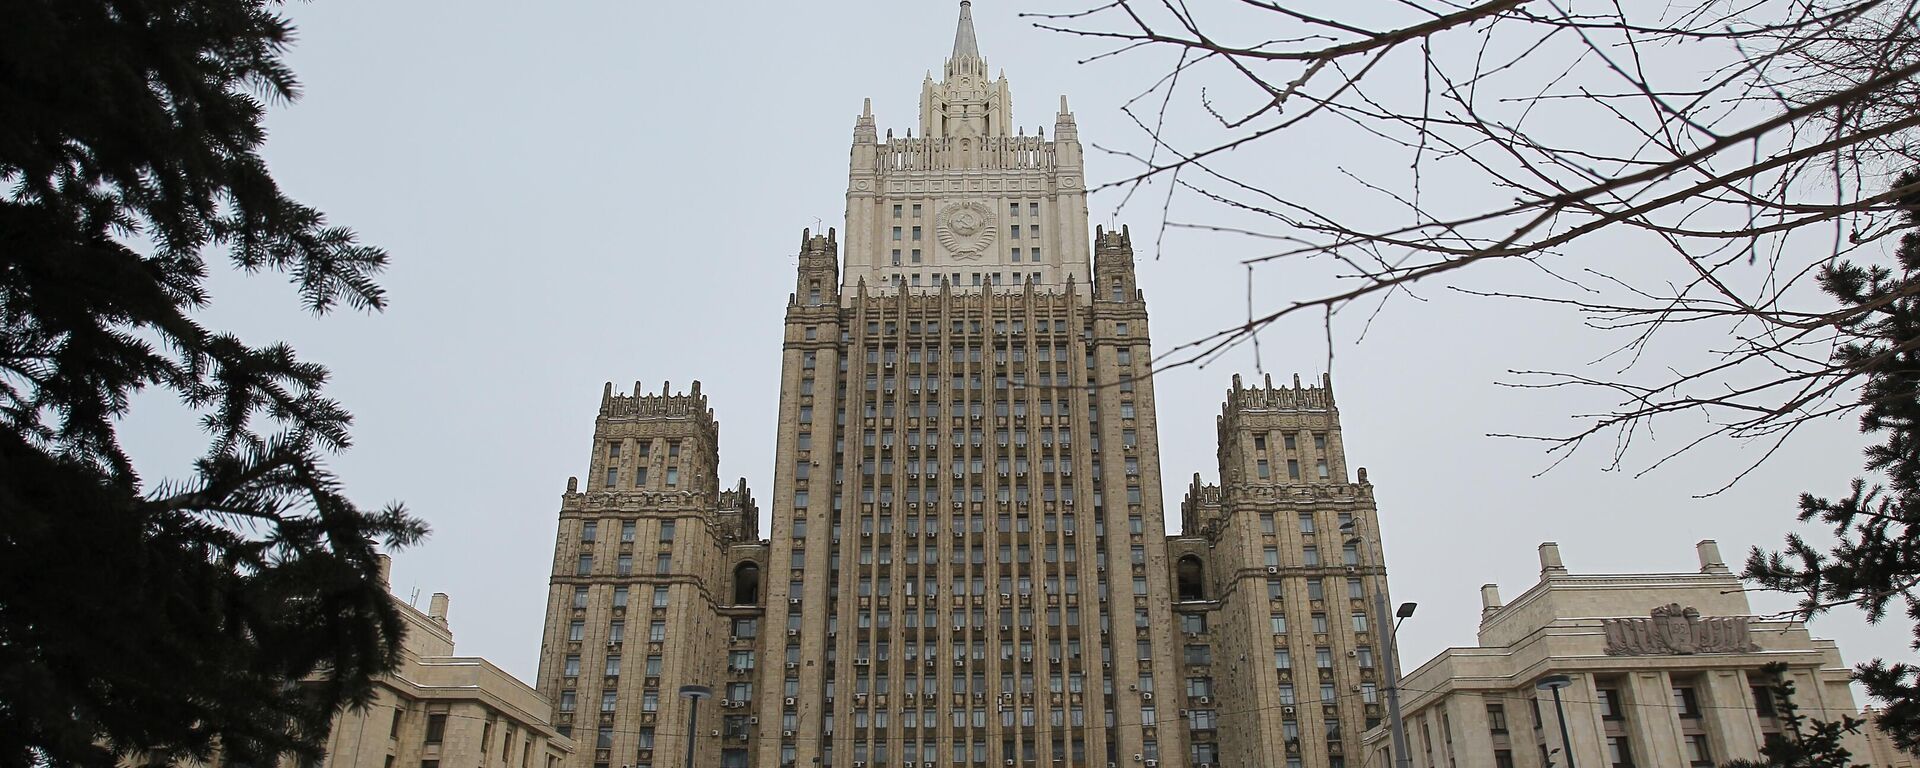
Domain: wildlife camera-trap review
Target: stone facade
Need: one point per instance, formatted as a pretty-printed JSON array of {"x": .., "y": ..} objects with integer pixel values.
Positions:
[
  {"x": 1665, "y": 670},
  {"x": 967, "y": 562}
]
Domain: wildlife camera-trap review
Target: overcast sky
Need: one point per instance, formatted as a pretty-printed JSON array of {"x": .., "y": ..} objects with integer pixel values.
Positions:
[{"x": 581, "y": 192}]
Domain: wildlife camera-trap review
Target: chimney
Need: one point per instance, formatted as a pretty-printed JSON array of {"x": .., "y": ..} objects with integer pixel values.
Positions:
[
  {"x": 437, "y": 608},
  {"x": 1710, "y": 561},
  {"x": 1550, "y": 564},
  {"x": 1489, "y": 598},
  {"x": 386, "y": 572}
]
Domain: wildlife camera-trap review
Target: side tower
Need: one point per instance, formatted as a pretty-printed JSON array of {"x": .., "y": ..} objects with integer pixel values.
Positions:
[
  {"x": 1280, "y": 575},
  {"x": 653, "y": 564}
]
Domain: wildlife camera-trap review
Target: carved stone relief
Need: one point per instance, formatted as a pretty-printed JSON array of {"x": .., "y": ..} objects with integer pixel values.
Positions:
[
  {"x": 965, "y": 229},
  {"x": 1673, "y": 629}
]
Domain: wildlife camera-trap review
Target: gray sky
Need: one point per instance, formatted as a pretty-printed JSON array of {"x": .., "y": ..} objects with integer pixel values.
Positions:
[{"x": 582, "y": 192}]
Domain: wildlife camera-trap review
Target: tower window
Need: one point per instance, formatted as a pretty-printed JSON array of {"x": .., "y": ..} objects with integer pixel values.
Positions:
[
  {"x": 916, "y": 210},
  {"x": 916, "y": 253},
  {"x": 916, "y": 234},
  {"x": 1015, "y": 255},
  {"x": 896, "y": 257},
  {"x": 1016, "y": 231},
  {"x": 896, "y": 211},
  {"x": 896, "y": 234},
  {"x": 1013, "y": 209}
]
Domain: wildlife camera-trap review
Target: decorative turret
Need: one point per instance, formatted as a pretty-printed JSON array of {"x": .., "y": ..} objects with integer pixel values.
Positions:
[
  {"x": 966, "y": 103},
  {"x": 818, "y": 279},
  {"x": 1113, "y": 266}
]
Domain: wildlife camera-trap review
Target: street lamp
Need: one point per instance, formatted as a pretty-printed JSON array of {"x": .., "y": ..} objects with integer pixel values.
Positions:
[
  {"x": 1397, "y": 726},
  {"x": 693, "y": 694},
  {"x": 1554, "y": 683}
]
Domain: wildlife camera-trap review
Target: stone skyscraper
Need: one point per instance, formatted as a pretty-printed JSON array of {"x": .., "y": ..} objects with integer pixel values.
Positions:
[{"x": 967, "y": 563}]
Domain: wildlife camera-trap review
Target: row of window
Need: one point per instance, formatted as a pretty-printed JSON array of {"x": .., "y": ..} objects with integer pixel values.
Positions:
[
  {"x": 590, "y": 531},
  {"x": 1013, "y": 211}
]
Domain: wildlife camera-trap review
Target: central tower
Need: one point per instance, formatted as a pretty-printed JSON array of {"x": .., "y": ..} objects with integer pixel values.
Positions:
[{"x": 972, "y": 202}]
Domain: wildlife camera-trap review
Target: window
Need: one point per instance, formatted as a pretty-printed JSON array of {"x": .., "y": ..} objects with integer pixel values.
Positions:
[
  {"x": 1306, "y": 522},
  {"x": 623, "y": 565},
  {"x": 1685, "y": 702},
  {"x": 568, "y": 699},
  {"x": 916, "y": 234},
  {"x": 1698, "y": 753},
  {"x": 584, "y": 566},
  {"x": 591, "y": 528},
  {"x": 1199, "y": 654},
  {"x": 436, "y": 727},
  {"x": 626, "y": 531},
  {"x": 657, "y": 632},
  {"x": 579, "y": 597},
  {"x": 1619, "y": 755},
  {"x": 1359, "y": 621},
  {"x": 1610, "y": 704},
  {"x": 659, "y": 597},
  {"x": 620, "y": 597},
  {"x": 576, "y": 631},
  {"x": 896, "y": 234},
  {"x": 673, "y": 475},
  {"x": 1497, "y": 718},
  {"x": 663, "y": 563},
  {"x": 613, "y": 666},
  {"x": 572, "y": 665}
]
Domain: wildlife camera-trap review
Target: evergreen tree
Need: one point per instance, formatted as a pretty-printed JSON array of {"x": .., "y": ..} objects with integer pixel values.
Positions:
[
  {"x": 237, "y": 608},
  {"x": 1875, "y": 560}
]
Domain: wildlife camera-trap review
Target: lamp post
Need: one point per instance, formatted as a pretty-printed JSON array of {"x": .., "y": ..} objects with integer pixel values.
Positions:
[
  {"x": 1389, "y": 652},
  {"x": 693, "y": 694},
  {"x": 1554, "y": 683}
]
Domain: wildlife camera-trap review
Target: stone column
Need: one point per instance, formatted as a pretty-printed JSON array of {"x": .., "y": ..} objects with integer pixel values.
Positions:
[
  {"x": 1472, "y": 739},
  {"x": 1653, "y": 726},
  {"x": 1727, "y": 703}
]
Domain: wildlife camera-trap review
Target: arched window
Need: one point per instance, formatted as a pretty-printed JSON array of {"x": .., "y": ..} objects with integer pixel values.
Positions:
[
  {"x": 1191, "y": 578},
  {"x": 746, "y": 584}
]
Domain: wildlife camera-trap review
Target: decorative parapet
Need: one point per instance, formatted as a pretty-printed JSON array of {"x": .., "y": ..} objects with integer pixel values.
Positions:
[{"x": 1351, "y": 492}]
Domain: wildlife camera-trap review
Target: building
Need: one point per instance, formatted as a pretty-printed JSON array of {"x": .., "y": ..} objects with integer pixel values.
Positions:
[
  {"x": 1662, "y": 669},
  {"x": 438, "y": 710},
  {"x": 967, "y": 562},
  {"x": 1881, "y": 752}
]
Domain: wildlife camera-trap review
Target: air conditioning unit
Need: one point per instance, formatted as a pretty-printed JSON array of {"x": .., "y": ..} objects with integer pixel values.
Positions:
[
  {"x": 726, "y": 703},
  {"x": 1153, "y": 764},
  {"x": 716, "y": 733},
  {"x": 1352, "y": 654},
  {"x": 789, "y": 701},
  {"x": 1206, "y": 699},
  {"x": 753, "y": 721},
  {"x": 793, "y": 633},
  {"x": 1353, "y": 569},
  {"x": 1136, "y": 757},
  {"x": 613, "y": 643},
  {"x": 787, "y": 734},
  {"x": 1003, "y": 473},
  {"x": 1286, "y": 710},
  {"x": 1148, "y": 696},
  {"x": 860, "y": 662},
  {"x": 1067, "y": 502},
  {"x": 1026, "y": 659},
  {"x": 793, "y": 665},
  {"x": 793, "y": 601},
  {"x": 1273, "y": 569}
]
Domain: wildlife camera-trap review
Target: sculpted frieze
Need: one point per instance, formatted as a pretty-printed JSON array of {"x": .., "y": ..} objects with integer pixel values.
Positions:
[{"x": 1675, "y": 630}]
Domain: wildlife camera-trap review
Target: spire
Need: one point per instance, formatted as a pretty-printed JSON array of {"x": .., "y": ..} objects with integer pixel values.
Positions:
[{"x": 965, "y": 46}]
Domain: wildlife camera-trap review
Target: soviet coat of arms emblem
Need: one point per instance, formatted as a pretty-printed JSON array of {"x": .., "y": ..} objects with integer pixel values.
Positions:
[{"x": 965, "y": 229}]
